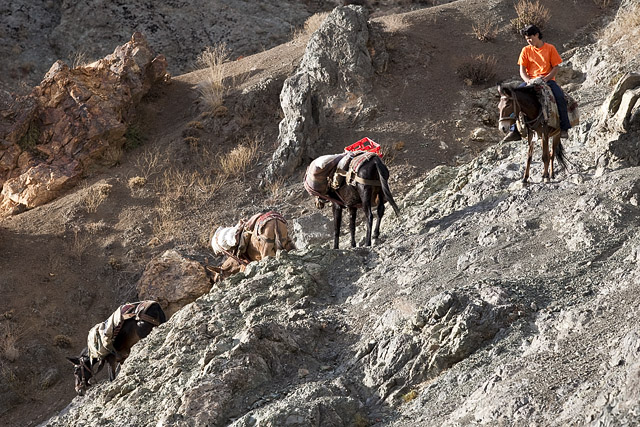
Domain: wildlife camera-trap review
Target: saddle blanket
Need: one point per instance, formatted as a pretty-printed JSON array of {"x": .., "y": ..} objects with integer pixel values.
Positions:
[
  {"x": 226, "y": 239},
  {"x": 320, "y": 172},
  {"x": 101, "y": 336},
  {"x": 550, "y": 107}
]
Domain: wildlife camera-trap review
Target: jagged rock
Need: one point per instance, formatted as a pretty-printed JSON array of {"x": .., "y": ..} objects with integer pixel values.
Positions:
[
  {"x": 70, "y": 120},
  {"x": 312, "y": 230},
  {"x": 617, "y": 110},
  {"x": 333, "y": 79},
  {"x": 173, "y": 280},
  {"x": 449, "y": 329}
]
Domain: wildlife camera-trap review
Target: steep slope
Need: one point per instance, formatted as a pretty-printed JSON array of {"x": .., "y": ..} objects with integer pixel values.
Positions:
[{"x": 284, "y": 308}]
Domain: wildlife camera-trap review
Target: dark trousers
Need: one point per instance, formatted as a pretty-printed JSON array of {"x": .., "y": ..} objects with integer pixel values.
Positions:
[{"x": 561, "y": 102}]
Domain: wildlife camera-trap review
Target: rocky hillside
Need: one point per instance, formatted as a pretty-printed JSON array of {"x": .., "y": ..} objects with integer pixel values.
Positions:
[{"x": 486, "y": 303}]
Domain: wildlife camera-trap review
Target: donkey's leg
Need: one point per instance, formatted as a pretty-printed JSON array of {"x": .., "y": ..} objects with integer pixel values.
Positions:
[
  {"x": 353, "y": 212},
  {"x": 525, "y": 178},
  {"x": 366, "y": 194},
  {"x": 337, "y": 222},
  {"x": 111, "y": 368},
  {"x": 545, "y": 155},
  {"x": 380, "y": 212},
  {"x": 555, "y": 141}
]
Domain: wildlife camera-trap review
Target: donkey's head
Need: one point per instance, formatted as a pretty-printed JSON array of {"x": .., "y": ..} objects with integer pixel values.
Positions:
[{"x": 83, "y": 372}]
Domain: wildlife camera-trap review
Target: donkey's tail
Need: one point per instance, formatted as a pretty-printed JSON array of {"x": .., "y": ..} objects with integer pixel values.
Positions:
[
  {"x": 560, "y": 155},
  {"x": 383, "y": 173}
]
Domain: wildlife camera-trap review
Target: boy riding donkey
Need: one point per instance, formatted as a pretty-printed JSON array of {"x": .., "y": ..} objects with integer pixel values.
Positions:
[{"x": 539, "y": 61}]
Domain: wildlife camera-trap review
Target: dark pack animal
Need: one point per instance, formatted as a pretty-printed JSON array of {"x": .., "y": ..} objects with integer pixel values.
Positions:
[
  {"x": 110, "y": 342},
  {"x": 524, "y": 100},
  {"x": 359, "y": 182}
]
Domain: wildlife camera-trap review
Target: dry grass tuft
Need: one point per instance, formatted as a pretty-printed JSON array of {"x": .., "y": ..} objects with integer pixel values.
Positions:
[
  {"x": 603, "y": 4},
  {"x": 478, "y": 69},
  {"x": 212, "y": 89},
  {"x": 80, "y": 244},
  {"x": 137, "y": 182},
  {"x": 275, "y": 190},
  {"x": 310, "y": 26},
  {"x": 62, "y": 341},
  {"x": 8, "y": 343},
  {"x": 623, "y": 33},
  {"x": 238, "y": 161},
  {"x": 529, "y": 13},
  {"x": 485, "y": 30},
  {"x": 112, "y": 155},
  {"x": 95, "y": 195}
]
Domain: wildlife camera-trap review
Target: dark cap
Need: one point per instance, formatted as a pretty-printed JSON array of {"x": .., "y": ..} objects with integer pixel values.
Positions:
[{"x": 531, "y": 30}]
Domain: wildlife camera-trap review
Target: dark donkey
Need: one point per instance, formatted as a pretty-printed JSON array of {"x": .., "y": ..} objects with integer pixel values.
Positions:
[
  {"x": 516, "y": 100},
  {"x": 111, "y": 340},
  {"x": 365, "y": 186}
]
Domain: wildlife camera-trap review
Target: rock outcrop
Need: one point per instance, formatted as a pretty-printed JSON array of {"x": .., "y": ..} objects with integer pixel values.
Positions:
[
  {"x": 174, "y": 281},
  {"x": 70, "y": 121},
  {"x": 333, "y": 82}
]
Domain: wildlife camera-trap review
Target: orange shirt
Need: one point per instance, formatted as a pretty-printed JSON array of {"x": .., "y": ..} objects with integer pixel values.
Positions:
[{"x": 539, "y": 61}]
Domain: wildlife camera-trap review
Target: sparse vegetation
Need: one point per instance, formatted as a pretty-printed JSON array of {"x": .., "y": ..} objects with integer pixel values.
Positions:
[
  {"x": 112, "y": 155},
  {"x": 8, "y": 343},
  {"x": 80, "y": 244},
  {"x": 624, "y": 30},
  {"x": 529, "y": 13},
  {"x": 408, "y": 397},
  {"x": 238, "y": 160},
  {"x": 134, "y": 137},
  {"x": 310, "y": 26},
  {"x": 212, "y": 89},
  {"x": 603, "y": 4},
  {"x": 30, "y": 138},
  {"x": 478, "y": 69},
  {"x": 137, "y": 182},
  {"x": 95, "y": 195},
  {"x": 148, "y": 163},
  {"x": 485, "y": 30},
  {"x": 274, "y": 190},
  {"x": 62, "y": 341}
]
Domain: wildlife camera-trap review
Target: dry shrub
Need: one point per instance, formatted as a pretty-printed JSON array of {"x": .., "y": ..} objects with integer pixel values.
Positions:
[
  {"x": 148, "y": 163},
  {"x": 529, "y": 13},
  {"x": 112, "y": 155},
  {"x": 238, "y": 160},
  {"x": 81, "y": 243},
  {"x": 485, "y": 30},
  {"x": 182, "y": 191},
  {"x": 8, "y": 343},
  {"x": 62, "y": 341},
  {"x": 603, "y": 4},
  {"x": 95, "y": 195},
  {"x": 478, "y": 69},
  {"x": 274, "y": 190},
  {"x": 623, "y": 33},
  {"x": 310, "y": 26},
  {"x": 212, "y": 89},
  {"x": 137, "y": 182}
]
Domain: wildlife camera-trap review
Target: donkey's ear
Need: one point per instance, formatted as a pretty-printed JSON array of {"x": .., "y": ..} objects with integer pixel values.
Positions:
[{"x": 74, "y": 360}]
